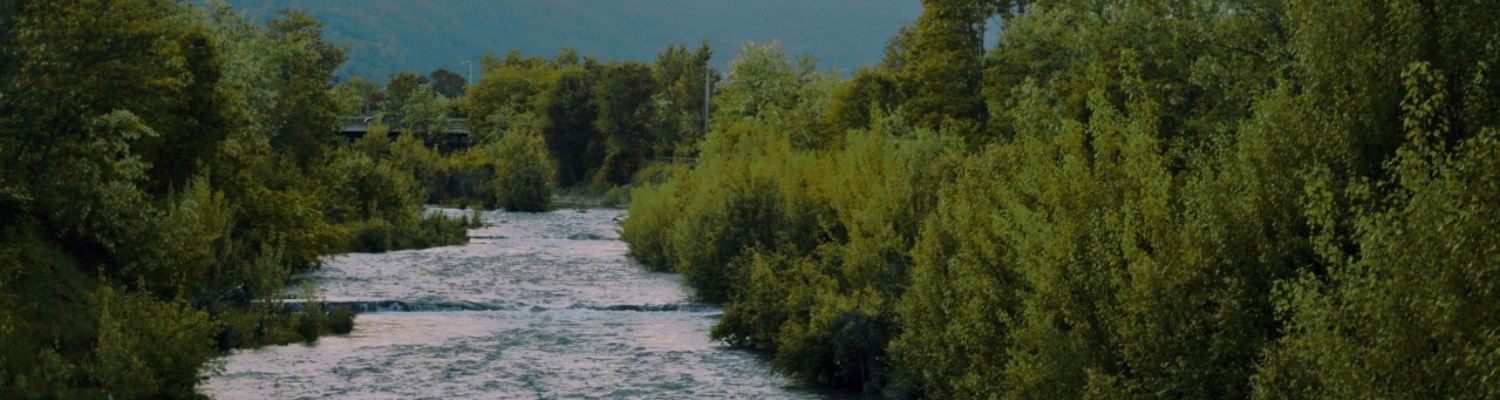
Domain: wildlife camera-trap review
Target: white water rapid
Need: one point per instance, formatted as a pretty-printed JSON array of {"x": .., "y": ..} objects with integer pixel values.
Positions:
[{"x": 535, "y": 306}]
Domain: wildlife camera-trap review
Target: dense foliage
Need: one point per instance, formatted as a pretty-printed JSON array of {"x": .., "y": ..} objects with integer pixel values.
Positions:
[
  {"x": 1188, "y": 198},
  {"x": 527, "y": 183},
  {"x": 164, "y": 169},
  {"x": 1184, "y": 199},
  {"x": 600, "y": 121}
]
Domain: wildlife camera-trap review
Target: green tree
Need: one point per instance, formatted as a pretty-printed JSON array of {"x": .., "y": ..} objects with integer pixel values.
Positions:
[
  {"x": 569, "y": 112},
  {"x": 946, "y": 63},
  {"x": 506, "y": 88},
  {"x": 399, "y": 90},
  {"x": 103, "y": 187},
  {"x": 1384, "y": 311},
  {"x": 860, "y": 102},
  {"x": 309, "y": 122},
  {"x": 357, "y": 96},
  {"x": 147, "y": 348},
  {"x": 623, "y": 98},
  {"x": 680, "y": 96},
  {"x": 764, "y": 87},
  {"x": 566, "y": 57},
  {"x": 425, "y": 113},
  {"x": 898, "y": 50},
  {"x": 524, "y": 179},
  {"x": 447, "y": 83}
]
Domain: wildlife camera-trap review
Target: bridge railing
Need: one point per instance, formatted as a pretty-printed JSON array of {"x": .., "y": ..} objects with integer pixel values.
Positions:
[{"x": 361, "y": 124}]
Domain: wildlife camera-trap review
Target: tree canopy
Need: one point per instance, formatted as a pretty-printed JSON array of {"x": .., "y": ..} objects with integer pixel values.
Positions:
[{"x": 1184, "y": 199}]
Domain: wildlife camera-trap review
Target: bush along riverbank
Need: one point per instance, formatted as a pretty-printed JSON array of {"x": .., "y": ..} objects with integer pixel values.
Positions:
[
  {"x": 1195, "y": 200},
  {"x": 168, "y": 166},
  {"x": 156, "y": 185}
]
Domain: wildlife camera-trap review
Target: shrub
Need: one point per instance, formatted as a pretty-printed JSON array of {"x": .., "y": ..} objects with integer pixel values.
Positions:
[
  {"x": 373, "y": 236},
  {"x": 437, "y": 229},
  {"x": 1411, "y": 313},
  {"x": 653, "y": 211},
  {"x": 148, "y": 348},
  {"x": 525, "y": 178},
  {"x": 308, "y": 326},
  {"x": 469, "y": 176},
  {"x": 310, "y": 322},
  {"x": 341, "y": 320},
  {"x": 409, "y": 154},
  {"x": 742, "y": 208}
]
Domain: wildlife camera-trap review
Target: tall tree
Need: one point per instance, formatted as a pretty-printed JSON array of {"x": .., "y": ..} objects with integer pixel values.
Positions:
[
  {"x": 946, "y": 63},
  {"x": 309, "y": 120},
  {"x": 681, "y": 78},
  {"x": 623, "y": 99},
  {"x": 570, "y": 133},
  {"x": 898, "y": 50},
  {"x": 507, "y": 89},
  {"x": 425, "y": 113},
  {"x": 398, "y": 90}
]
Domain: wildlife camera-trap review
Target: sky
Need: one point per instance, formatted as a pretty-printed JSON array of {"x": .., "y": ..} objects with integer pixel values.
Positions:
[{"x": 421, "y": 35}]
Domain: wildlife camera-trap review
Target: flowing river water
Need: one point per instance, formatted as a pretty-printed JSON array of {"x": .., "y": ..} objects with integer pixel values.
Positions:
[{"x": 535, "y": 306}]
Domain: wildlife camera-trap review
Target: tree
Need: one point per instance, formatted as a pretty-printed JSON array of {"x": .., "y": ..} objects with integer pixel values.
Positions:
[
  {"x": 625, "y": 111},
  {"x": 525, "y": 175},
  {"x": 870, "y": 90},
  {"x": 447, "y": 83},
  {"x": 760, "y": 79},
  {"x": 398, "y": 91},
  {"x": 681, "y": 95},
  {"x": 898, "y": 50},
  {"x": 946, "y": 63},
  {"x": 509, "y": 88},
  {"x": 425, "y": 113},
  {"x": 566, "y": 57},
  {"x": 111, "y": 110},
  {"x": 357, "y": 96},
  {"x": 568, "y": 111},
  {"x": 309, "y": 122}
]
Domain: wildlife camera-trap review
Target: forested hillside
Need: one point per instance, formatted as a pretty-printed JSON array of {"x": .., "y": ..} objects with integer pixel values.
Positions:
[{"x": 385, "y": 37}]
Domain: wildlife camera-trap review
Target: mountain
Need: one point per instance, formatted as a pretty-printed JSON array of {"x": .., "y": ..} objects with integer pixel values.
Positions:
[{"x": 387, "y": 36}]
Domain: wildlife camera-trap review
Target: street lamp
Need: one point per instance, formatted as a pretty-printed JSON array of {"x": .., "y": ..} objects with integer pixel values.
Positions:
[{"x": 471, "y": 73}]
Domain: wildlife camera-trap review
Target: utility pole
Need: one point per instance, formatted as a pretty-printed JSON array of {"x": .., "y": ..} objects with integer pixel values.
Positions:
[{"x": 471, "y": 74}]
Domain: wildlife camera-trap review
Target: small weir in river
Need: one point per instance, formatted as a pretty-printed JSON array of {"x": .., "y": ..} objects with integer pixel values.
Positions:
[{"x": 535, "y": 306}]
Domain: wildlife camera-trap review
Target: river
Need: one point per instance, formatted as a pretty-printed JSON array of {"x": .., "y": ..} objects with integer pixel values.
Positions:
[{"x": 535, "y": 306}]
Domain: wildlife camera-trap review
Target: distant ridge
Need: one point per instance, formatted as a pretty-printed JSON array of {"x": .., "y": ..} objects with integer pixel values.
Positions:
[{"x": 387, "y": 36}]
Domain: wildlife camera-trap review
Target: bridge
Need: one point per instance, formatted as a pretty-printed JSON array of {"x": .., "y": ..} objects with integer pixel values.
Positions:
[{"x": 455, "y": 134}]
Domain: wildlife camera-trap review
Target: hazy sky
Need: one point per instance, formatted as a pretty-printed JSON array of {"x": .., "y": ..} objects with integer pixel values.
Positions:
[{"x": 386, "y": 36}]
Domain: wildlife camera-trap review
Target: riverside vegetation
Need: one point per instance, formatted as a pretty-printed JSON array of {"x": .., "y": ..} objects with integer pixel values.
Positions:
[
  {"x": 1121, "y": 199},
  {"x": 164, "y": 170},
  {"x": 167, "y": 168}
]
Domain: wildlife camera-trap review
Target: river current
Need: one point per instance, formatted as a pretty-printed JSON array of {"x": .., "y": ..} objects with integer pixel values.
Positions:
[{"x": 535, "y": 306}]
